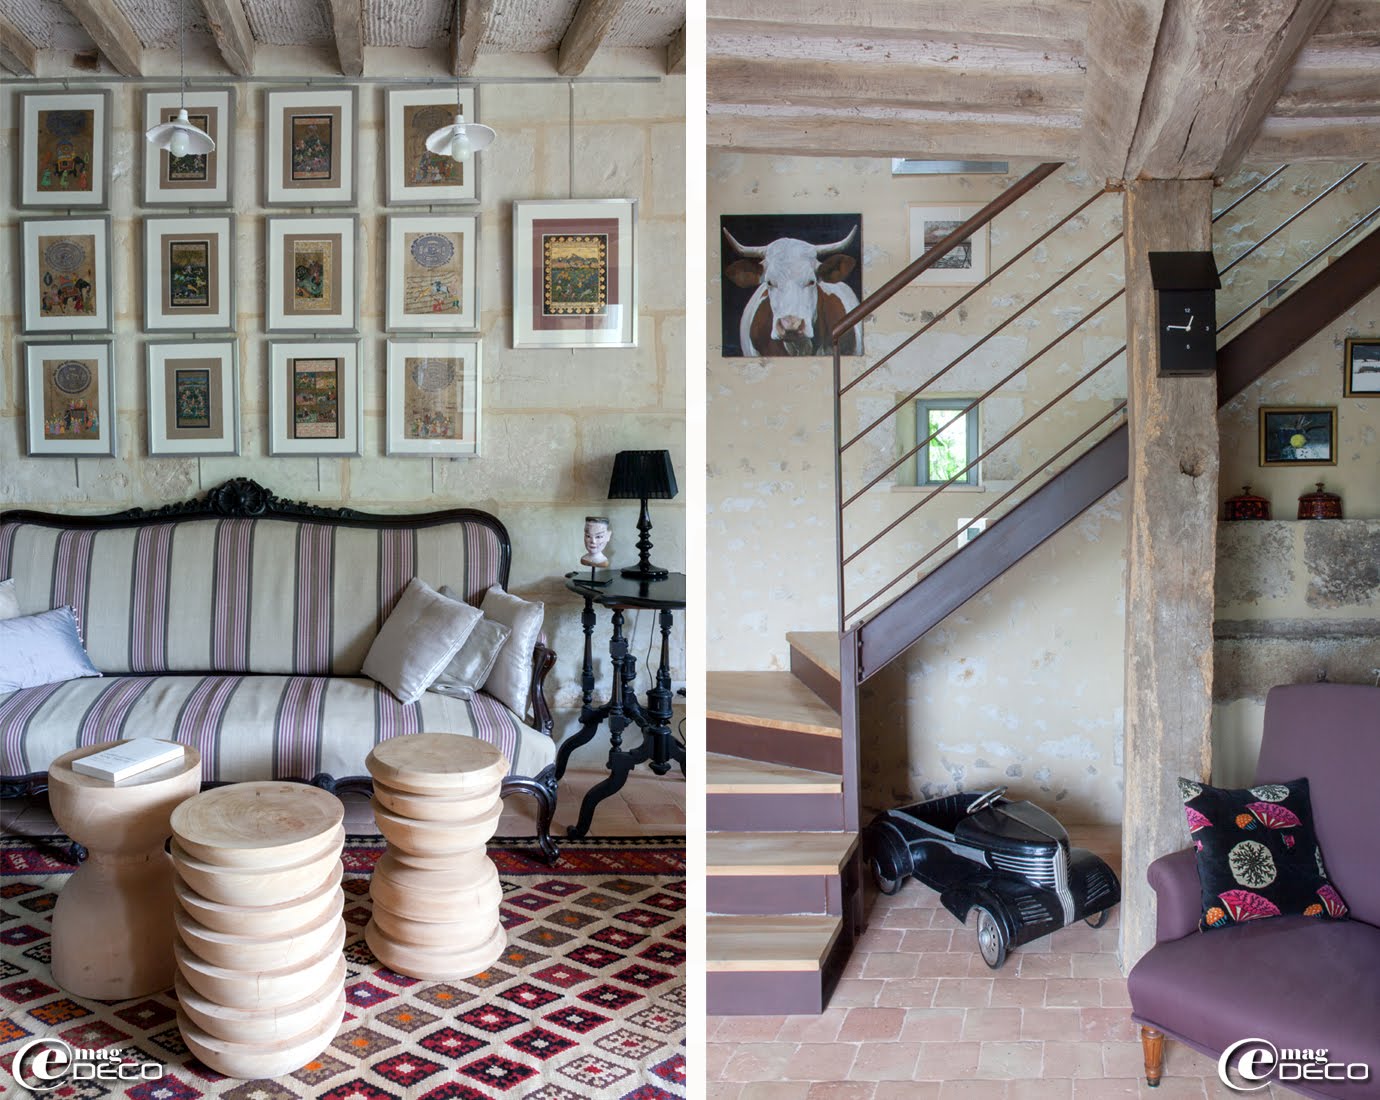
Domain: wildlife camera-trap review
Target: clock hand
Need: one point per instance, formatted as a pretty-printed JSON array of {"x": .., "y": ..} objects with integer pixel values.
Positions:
[{"x": 1181, "y": 328}]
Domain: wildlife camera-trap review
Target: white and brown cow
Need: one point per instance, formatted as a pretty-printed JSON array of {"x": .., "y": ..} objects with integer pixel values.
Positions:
[{"x": 800, "y": 296}]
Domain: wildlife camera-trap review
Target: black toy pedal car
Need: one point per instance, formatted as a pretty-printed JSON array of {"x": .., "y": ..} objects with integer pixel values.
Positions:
[{"x": 1009, "y": 861}]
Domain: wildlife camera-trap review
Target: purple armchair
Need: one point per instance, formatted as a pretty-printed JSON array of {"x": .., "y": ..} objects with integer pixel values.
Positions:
[{"x": 1298, "y": 982}]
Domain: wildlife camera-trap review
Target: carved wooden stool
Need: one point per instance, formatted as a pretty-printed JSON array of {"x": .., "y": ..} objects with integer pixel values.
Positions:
[
  {"x": 261, "y": 977},
  {"x": 436, "y": 891},
  {"x": 113, "y": 923}
]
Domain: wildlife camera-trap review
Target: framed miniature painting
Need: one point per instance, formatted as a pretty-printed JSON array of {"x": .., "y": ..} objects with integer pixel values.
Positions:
[
  {"x": 310, "y": 151},
  {"x": 194, "y": 405},
  {"x": 64, "y": 146},
  {"x": 198, "y": 179},
  {"x": 312, "y": 274},
  {"x": 70, "y": 403},
  {"x": 66, "y": 272},
  {"x": 965, "y": 264},
  {"x": 1362, "y": 367},
  {"x": 575, "y": 273},
  {"x": 189, "y": 282},
  {"x": 1298, "y": 436},
  {"x": 433, "y": 398},
  {"x": 314, "y": 403},
  {"x": 415, "y": 174},
  {"x": 432, "y": 283}
]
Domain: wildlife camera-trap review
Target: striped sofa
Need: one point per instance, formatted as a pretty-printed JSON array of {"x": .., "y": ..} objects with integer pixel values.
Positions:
[{"x": 238, "y": 623}]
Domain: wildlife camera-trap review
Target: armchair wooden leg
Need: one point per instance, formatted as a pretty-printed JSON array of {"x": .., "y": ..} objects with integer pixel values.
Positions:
[{"x": 1152, "y": 1045}]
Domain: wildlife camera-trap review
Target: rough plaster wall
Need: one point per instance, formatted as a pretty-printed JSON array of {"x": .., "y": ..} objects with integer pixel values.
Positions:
[
  {"x": 1023, "y": 686},
  {"x": 552, "y": 419}
]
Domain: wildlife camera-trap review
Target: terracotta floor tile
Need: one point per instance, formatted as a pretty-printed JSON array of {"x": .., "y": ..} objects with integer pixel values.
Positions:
[
  {"x": 1059, "y": 1024},
  {"x": 886, "y": 1061},
  {"x": 822, "y": 1062},
  {"x": 1079, "y": 992},
  {"x": 933, "y": 1024},
  {"x": 1095, "y": 965},
  {"x": 878, "y": 938},
  {"x": 751, "y": 1029},
  {"x": 907, "y": 993},
  {"x": 1101, "y": 1025},
  {"x": 926, "y": 939},
  {"x": 943, "y": 964},
  {"x": 875, "y": 1025},
  {"x": 963, "y": 993},
  {"x": 823, "y": 1028},
  {"x": 775, "y": 1090},
  {"x": 1042, "y": 966},
  {"x": 757, "y": 1062},
  {"x": 1073, "y": 1059},
  {"x": 842, "y": 1090},
  {"x": 716, "y": 1057},
  {"x": 907, "y": 918},
  {"x": 908, "y": 1090},
  {"x": 1187, "y": 1088},
  {"x": 724, "y": 1090},
  {"x": 1184, "y": 1061},
  {"x": 973, "y": 1090},
  {"x": 890, "y": 964},
  {"x": 1018, "y": 993},
  {"x": 1123, "y": 1059},
  {"x": 1044, "y": 1089},
  {"x": 1105, "y": 1089},
  {"x": 991, "y": 1023},
  {"x": 1008, "y": 1061},
  {"x": 1114, "y": 993},
  {"x": 855, "y": 992},
  {"x": 947, "y": 1061}
]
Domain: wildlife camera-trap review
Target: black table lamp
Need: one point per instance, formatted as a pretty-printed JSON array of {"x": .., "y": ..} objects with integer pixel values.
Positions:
[{"x": 644, "y": 476}]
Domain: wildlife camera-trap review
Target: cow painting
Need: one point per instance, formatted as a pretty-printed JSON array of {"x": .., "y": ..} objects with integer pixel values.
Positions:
[{"x": 797, "y": 289}]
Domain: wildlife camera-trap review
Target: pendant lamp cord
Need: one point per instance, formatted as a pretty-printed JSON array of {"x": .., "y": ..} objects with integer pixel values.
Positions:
[{"x": 182, "y": 50}]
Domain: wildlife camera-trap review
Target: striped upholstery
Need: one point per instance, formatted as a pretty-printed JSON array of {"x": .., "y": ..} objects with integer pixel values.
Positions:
[
  {"x": 251, "y": 727},
  {"x": 239, "y": 595}
]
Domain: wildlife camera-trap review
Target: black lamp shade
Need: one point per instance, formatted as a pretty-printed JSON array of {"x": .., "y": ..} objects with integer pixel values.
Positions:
[{"x": 642, "y": 475}]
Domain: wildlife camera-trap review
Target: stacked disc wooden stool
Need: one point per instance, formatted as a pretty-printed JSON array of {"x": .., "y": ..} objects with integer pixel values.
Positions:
[
  {"x": 435, "y": 890},
  {"x": 261, "y": 974}
]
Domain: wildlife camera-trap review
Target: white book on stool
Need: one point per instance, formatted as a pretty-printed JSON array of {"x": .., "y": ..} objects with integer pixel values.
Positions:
[{"x": 129, "y": 759}]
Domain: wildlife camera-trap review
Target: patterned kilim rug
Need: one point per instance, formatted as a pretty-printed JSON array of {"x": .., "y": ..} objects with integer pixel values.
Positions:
[{"x": 588, "y": 1000}]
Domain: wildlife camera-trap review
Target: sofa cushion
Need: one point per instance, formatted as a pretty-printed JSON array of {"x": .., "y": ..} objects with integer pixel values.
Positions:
[
  {"x": 41, "y": 649},
  {"x": 1257, "y": 853},
  {"x": 418, "y": 641},
  {"x": 1294, "y": 981},
  {"x": 470, "y": 666},
  {"x": 9, "y": 602},
  {"x": 252, "y": 727},
  {"x": 511, "y": 675}
]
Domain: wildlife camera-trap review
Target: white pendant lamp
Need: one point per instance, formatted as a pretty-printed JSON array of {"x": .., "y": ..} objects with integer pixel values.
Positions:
[
  {"x": 179, "y": 137},
  {"x": 460, "y": 140}
]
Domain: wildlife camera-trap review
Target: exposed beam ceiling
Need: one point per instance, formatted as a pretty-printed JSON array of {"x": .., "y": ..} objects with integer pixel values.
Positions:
[
  {"x": 231, "y": 31},
  {"x": 347, "y": 18},
  {"x": 1120, "y": 52},
  {"x": 17, "y": 53},
  {"x": 109, "y": 28},
  {"x": 472, "y": 20},
  {"x": 591, "y": 25},
  {"x": 675, "y": 53}
]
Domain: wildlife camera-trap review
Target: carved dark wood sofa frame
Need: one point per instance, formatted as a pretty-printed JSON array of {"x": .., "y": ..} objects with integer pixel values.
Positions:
[{"x": 242, "y": 498}]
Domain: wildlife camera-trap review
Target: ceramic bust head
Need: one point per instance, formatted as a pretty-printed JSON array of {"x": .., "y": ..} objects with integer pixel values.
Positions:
[{"x": 596, "y": 538}]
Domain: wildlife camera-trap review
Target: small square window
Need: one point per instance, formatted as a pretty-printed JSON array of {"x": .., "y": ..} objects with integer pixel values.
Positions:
[{"x": 955, "y": 444}]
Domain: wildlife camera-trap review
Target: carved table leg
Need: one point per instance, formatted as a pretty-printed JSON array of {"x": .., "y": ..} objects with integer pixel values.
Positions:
[
  {"x": 589, "y": 717},
  {"x": 620, "y": 703},
  {"x": 1152, "y": 1045},
  {"x": 659, "y": 709}
]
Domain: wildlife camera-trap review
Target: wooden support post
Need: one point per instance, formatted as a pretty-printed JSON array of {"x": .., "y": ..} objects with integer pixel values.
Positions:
[{"x": 1171, "y": 558}]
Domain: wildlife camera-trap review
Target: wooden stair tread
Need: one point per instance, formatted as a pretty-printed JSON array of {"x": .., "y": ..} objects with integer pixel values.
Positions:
[
  {"x": 778, "y": 853},
  {"x": 776, "y": 700},
  {"x": 736, "y": 775},
  {"x": 769, "y": 943},
  {"x": 820, "y": 647}
]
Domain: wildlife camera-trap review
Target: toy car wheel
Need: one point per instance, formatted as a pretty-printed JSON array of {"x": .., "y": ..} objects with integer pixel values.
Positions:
[
  {"x": 887, "y": 886},
  {"x": 1097, "y": 920},
  {"x": 991, "y": 938}
]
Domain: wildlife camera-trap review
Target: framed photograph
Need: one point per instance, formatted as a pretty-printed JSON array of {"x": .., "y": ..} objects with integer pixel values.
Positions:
[
  {"x": 198, "y": 179},
  {"x": 781, "y": 274},
  {"x": 66, "y": 274},
  {"x": 432, "y": 283},
  {"x": 314, "y": 405},
  {"x": 1298, "y": 437},
  {"x": 312, "y": 274},
  {"x": 310, "y": 151},
  {"x": 963, "y": 265},
  {"x": 194, "y": 403},
  {"x": 70, "y": 399},
  {"x": 575, "y": 273},
  {"x": 433, "y": 398},
  {"x": 189, "y": 274},
  {"x": 1362, "y": 366},
  {"x": 415, "y": 175},
  {"x": 64, "y": 149}
]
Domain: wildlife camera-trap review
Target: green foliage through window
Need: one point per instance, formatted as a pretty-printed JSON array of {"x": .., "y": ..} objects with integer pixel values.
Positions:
[{"x": 953, "y": 447}]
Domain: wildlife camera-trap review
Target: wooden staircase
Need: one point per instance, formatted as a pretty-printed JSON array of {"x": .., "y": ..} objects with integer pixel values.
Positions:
[{"x": 782, "y": 856}]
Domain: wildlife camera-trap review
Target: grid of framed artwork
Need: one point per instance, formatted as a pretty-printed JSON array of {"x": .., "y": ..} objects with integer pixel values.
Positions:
[{"x": 574, "y": 274}]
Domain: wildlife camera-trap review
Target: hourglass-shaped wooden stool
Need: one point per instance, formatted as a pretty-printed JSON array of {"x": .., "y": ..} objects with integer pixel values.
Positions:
[
  {"x": 113, "y": 923},
  {"x": 261, "y": 977},
  {"x": 435, "y": 890}
]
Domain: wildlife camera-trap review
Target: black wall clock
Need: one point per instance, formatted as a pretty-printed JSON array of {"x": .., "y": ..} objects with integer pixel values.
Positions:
[{"x": 1185, "y": 289}]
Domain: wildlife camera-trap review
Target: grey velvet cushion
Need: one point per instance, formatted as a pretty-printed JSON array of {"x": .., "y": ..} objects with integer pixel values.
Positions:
[
  {"x": 470, "y": 667},
  {"x": 511, "y": 679},
  {"x": 419, "y": 638},
  {"x": 9, "y": 602},
  {"x": 42, "y": 649}
]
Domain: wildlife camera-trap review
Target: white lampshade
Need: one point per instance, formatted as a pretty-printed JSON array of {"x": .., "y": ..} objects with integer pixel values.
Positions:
[
  {"x": 461, "y": 139},
  {"x": 180, "y": 137}
]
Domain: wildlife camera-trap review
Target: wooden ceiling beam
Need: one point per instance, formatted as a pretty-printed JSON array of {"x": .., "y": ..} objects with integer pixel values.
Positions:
[
  {"x": 1120, "y": 52},
  {"x": 17, "y": 53},
  {"x": 586, "y": 33},
  {"x": 233, "y": 37},
  {"x": 472, "y": 21},
  {"x": 110, "y": 29},
  {"x": 1332, "y": 83},
  {"x": 1349, "y": 23},
  {"x": 1295, "y": 140},
  {"x": 675, "y": 52},
  {"x": 347, "y": 22}
]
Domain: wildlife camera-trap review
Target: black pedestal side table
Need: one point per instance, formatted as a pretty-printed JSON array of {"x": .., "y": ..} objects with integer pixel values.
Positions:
[{"x": 658, "y": 748}]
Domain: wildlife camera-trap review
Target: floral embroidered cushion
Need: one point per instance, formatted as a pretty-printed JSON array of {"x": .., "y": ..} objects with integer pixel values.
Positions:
[{"x": 1258, "y": 855}]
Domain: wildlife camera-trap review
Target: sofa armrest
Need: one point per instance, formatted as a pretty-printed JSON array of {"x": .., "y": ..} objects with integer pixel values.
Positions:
[
  {"x": 1178, "y": 895},
  {"x": 539, "y": 717}
]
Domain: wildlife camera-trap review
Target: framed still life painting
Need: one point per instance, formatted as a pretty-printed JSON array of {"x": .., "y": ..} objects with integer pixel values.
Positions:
[
  {"x": 314, "y": 403},
  {"x": 1362, "y": 367},
  {"x": 70, "y": 405},
  {"x": 64, "y": 145},
  {"x": 965, "y": 264},
  {"x": 1292, "y": 436},
  {"x": 575, "y": 273},
  {"x": 66, "y": 272},
  {"x": 432, "y": 284},
  {"x": 310, "y": 152},
  {"x": 198, "y": 179},
  {"x": 414, "y": 174},
  {"x": 194, "y": 406},
  {"x": 312, "y": 273},
  {"x": 189, "y": 282},
  {"x": 433, "y": 398}
]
